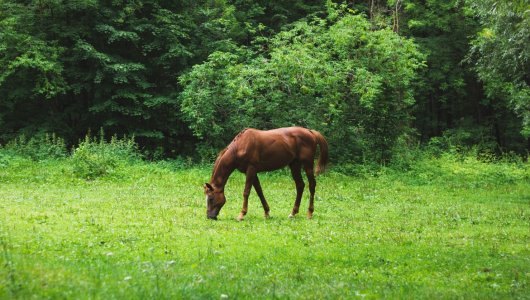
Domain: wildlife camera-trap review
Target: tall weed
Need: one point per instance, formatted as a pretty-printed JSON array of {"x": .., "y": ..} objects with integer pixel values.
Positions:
[
  {"x": 39, "y": 147},
  {"x": 406, "y": 152},
  {"x": 94, "y": 157},
  {"x": 4, "y": 158}
]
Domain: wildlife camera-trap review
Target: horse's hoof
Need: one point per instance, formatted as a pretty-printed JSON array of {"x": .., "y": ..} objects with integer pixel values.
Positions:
[
  {"x": 291, "y": 216},
  {"x": 309, "y": 216},
  {"x": 267, "y": 215},
  {"x": 240, "y": 218}
]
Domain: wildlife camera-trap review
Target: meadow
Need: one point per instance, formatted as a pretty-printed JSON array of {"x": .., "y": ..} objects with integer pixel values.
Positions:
[{"x": 446, "y": 228}]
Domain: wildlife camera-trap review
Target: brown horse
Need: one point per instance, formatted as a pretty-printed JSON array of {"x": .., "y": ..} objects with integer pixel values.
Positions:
[{"x": 253, "y": 151}]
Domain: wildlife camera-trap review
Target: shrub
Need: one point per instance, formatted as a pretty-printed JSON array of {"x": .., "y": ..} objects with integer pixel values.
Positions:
[
  {"x": 4, "y": 159},
  {"x": 463, "y": 139},
  {"x": 338, "y": 76},
  {"x": 38, "y": 147},
  {"x": 95, "y": 158},
  {"x": 406, "y": 152}
]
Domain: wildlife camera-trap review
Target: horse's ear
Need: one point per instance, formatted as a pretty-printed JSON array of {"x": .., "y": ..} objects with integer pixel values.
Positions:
[{"x": 208, "y": 187}]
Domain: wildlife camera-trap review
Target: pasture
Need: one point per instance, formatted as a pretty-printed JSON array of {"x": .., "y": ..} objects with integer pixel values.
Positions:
[{"x": 445, "y": 229}]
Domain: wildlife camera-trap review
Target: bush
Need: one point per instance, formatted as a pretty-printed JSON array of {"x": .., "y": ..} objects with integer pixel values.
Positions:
[
  {"x": 39, "y": 147},
  {"x": 94, "y": 158},
  {"x": 463, "y": 139},
  {"x": 4, "y": 159},
  {"x": 338, "y": 76},
  {"x": 406, "y": 152}
]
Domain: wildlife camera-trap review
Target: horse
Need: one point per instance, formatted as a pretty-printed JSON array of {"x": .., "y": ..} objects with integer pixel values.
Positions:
[{"x": 253, "y": 151}]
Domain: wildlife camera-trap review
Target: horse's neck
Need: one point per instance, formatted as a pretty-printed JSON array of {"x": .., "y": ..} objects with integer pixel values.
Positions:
[{"x": 222, "y": 170}]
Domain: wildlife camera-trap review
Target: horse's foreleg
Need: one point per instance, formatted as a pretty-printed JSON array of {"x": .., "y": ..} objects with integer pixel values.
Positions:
[
  {"x": 259, "y": 191},
  {"x": 250, "y": 174},
  {"x": 299, "y": 182},
  {"x": 312, "y": 186}
]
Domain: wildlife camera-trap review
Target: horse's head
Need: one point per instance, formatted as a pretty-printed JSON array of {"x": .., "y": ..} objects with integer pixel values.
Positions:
[{"x": 215, "y": 199}]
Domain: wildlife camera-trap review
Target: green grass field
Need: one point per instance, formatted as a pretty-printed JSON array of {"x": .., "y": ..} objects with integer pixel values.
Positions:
[{"x": 445, "y": 229}]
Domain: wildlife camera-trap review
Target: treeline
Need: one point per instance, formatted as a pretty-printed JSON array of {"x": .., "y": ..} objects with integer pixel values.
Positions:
[{"x": 184, "y": 77}]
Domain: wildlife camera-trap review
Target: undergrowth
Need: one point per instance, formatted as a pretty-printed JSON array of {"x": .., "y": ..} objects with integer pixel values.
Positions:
[
  {"x": 437, "y": 162},
  {"x": 38, "y": 147},
  {"x": 97, "y": 157}
]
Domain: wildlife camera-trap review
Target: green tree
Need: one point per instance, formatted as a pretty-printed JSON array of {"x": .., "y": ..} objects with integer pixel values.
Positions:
[
  {"x": 335, "y": 75},
  {"x": 71, "y": 66},
  {"x": 501, "y": 53},
  {"x": 447, "y": 89},
  {"x": 453, "y": 97},
  {"x": 30, "y": 68}
]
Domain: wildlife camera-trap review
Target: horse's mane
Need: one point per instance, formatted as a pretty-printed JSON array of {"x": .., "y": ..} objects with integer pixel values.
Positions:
[{"x": 220, "y": 154}]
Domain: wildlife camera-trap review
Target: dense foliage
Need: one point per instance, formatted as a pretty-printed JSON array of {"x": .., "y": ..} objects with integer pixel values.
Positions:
[
  {"x": 350, "y": 82},
  {"x": 502, "y": 54},
  {"x": 182, "y": 75}
]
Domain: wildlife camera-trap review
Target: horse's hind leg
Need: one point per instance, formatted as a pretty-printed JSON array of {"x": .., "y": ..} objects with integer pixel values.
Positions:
[
  {"x": 312, "y": 186},
  {"x": 259, "y": 191},
  {"x": 297, "y": 176}
]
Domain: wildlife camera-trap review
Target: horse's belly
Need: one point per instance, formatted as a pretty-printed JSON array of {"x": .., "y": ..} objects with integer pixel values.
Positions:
[
  {"x": 270, "y": 166},
  {"x": 275, "y": 162}
]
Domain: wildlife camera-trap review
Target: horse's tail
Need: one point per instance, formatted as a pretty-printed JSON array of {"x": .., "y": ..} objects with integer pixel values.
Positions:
[{"x": 323, "y": 159}]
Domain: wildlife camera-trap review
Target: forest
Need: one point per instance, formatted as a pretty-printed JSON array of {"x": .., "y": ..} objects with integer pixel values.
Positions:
[{"x": 377, "y": 78}]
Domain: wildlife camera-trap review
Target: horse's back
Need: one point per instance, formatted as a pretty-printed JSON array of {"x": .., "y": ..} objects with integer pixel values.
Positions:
[
  {"x": 273, "y": 149},
  {"x": 290, "y": 137},
  {"x": 299, "y": 137}
]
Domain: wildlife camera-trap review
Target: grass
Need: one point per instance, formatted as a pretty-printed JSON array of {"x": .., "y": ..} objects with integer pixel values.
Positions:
[{"x": 445, "y": 229}]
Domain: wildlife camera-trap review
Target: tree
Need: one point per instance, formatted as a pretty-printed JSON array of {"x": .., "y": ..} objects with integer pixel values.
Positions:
[
  {"x": 71, "y": 66},
  {"x": 501, "y": 53},
  {"x": 335, "y": 75},
  {"x": 30, "y": 68}
]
